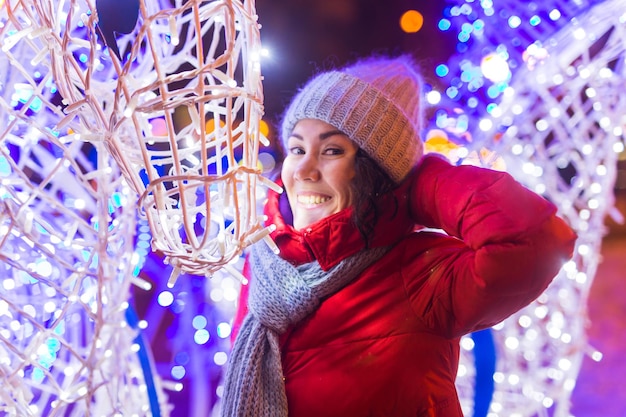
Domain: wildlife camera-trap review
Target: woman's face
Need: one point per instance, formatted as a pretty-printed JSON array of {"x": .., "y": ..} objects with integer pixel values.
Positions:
[{"x": 317, "y": 171}]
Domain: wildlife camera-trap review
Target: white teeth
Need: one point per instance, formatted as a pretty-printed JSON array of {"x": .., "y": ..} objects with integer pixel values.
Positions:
[{"x": 312, "y": 199}]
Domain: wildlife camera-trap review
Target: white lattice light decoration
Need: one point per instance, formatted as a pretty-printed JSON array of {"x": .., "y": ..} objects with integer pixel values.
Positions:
[
  {"x": 68, "y": 211},
  {"x": 196, "y": 174},
  {"x": 556, "y": 122},
  {"x": 198, "y": 179},
  {"x": 566, "y": 129},
  {"x": 67, "y": 255}
]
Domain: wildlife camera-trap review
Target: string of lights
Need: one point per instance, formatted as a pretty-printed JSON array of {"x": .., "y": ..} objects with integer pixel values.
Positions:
[
  {"x": 539, "y": 91},
  {"x": 91, "y": 135}
]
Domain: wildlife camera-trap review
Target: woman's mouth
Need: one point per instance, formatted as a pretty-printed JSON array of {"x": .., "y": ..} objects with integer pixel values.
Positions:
[{"x": 312, "y": 200}]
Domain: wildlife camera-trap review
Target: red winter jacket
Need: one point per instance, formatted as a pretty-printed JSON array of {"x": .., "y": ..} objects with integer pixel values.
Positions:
[{"x": 387, "y": 345}]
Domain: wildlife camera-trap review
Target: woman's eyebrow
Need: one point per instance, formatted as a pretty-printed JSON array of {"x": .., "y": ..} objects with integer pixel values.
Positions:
[
  {"x": 330, "y": 133},
  {"x": 297, "y": 136},
  {"x": 321, "y": 136}
]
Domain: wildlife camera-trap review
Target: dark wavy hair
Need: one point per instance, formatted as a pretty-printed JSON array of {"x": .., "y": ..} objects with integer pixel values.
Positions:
[{"x": 369, "y": 185}]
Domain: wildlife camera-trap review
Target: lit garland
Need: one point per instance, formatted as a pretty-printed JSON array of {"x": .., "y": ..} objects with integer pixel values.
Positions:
[
  {"x": 67, "y": 261},
  {"x": 540, "y": 93},
  {"x": 197, "y": 181},
  {"x": 66, "y": 240},
  {"x": 67, "y": 222}
]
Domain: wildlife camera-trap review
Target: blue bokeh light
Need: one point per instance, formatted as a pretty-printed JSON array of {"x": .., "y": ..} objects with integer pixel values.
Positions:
[
  {"x": 199, "y": 322},
  {"x": 514, "y": 22},
  {"x": 178, "y": 372},
  {"x": 442, "y": 70},
  {"x": 201, "y": 336}
]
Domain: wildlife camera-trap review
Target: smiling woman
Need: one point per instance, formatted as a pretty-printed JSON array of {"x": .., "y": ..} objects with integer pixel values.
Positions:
[{"x": 362, "y": 310}]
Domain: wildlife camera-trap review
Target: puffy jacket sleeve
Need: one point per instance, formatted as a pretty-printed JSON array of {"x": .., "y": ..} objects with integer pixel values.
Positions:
[{"x": 512, "y": 244}]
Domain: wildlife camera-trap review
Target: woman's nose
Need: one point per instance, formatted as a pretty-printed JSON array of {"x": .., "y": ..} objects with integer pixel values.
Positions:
[{"x": 307, "y": 169}]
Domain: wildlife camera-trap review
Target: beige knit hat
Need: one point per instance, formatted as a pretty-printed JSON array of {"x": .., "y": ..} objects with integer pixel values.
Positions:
[{"x": 376, "y": 102}]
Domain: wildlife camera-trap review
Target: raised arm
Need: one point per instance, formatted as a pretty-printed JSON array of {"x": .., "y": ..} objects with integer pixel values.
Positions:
[{"x": 512, "y": 242}]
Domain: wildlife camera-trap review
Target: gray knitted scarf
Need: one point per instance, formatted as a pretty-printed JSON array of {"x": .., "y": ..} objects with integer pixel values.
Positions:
[{"x": 280, "y": 296}]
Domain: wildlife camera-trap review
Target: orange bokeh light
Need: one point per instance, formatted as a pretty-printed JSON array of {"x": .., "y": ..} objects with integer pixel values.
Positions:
[
  {"x": 209, "y": 126},
  {"x": 264, "y": 128},
  {"x": 411, "y": 21}
]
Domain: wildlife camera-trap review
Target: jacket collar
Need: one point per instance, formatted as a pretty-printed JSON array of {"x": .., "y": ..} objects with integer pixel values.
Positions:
[{"x": 335, "y": 237}]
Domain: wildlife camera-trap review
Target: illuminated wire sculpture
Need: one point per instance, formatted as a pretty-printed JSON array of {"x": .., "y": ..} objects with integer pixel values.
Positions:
[
  {"x": 67, "y": 255},
  {"x": 197, "y": 176},
  {"x": 197, "y": 179},
  {"x": 66, "y": 264},
  {"x": 552, "y": 117},
  {"x": 68, "y": 345}
]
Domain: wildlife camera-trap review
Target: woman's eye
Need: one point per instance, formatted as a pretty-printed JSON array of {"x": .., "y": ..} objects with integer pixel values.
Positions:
[
  {"x": 333, "y": 151},
  {"x": 296, "y": 150}
]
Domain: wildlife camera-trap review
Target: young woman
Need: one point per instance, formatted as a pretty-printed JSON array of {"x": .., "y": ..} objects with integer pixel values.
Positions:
[{"x": 361, "y": 312}]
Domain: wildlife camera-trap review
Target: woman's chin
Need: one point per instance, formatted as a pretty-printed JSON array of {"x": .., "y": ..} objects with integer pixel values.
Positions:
[{"x": 302, "y": 221}]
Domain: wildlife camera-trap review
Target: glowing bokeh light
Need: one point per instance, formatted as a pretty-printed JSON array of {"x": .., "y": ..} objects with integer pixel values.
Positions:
[
  {"x": 495, "y": 68},
  {"x": 411, "y": 21},
  {"x": 444, "y": 24}
]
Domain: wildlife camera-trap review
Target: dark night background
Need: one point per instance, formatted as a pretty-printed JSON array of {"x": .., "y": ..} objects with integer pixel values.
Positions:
[{"x": 305, "y": 36}]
